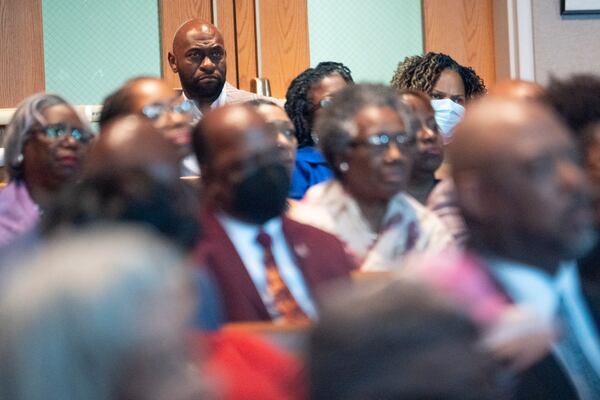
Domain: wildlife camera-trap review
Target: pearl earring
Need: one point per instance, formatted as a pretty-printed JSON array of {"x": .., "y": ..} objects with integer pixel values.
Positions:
[{"x": 344, "y": 166}]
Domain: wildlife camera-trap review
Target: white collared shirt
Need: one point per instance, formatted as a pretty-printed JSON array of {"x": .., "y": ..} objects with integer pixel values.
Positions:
[
  {"x": 189, "y": 165},
  {"x": 541, "y": 292},
  {"x": 243, "y": 236},
  {"x": 220, "y": 101}
]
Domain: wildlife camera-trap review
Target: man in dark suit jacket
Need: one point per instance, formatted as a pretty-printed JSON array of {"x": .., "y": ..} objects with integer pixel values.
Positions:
[
  {"x": 524, "y": 198},
  {"x": 245, "y": 182}
]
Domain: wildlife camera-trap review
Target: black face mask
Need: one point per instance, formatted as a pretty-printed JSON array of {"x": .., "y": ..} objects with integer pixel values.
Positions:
[{"x": 262, "y": 194}]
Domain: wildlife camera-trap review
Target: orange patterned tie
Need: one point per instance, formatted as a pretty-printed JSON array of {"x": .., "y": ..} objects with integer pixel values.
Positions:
[{"x": 286, "y": 305}]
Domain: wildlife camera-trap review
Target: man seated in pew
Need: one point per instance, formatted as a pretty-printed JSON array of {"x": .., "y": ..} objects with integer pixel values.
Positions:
[
  {"x": 267, "y": 267},
  {"x": 525, "y": 200},
  {"x": 199, "y": 57}
]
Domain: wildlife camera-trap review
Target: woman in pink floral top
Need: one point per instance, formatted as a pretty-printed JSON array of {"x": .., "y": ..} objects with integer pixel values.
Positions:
[{"x": 369, "y": 138}]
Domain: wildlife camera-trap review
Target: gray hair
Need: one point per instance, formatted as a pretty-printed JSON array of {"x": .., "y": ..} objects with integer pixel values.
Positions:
[
  {"x": 27, "y": 116},
  {"x": 96, "y": 315},
  {"x": 336, "y": 126}
]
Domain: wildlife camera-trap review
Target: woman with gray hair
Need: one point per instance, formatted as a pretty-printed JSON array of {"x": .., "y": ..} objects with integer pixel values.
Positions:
[
  {"x": 368, "y": 136},
  {"x": 44, "y": 147},
  {"x": 98, "y": 315}
]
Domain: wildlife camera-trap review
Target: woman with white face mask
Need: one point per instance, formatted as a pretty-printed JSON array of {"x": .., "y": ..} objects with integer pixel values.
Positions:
[
  {"x": 450, "y": 86},
  {"x": 448, "y": 83}
]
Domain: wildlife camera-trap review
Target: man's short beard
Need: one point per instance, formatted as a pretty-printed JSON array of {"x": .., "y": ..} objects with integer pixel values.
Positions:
[{"x": 193, "y": 92}]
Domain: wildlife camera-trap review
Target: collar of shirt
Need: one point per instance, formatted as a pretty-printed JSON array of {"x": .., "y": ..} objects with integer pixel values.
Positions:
[
  {"x": 220, "y": 101},
  {"x": 527, "y": 285},
  {"x": 189, "y": 166},
  {"x": 243, "y": 236},
  {"x": 249, "y": 231},
  {"x": 541, "y": 291}
]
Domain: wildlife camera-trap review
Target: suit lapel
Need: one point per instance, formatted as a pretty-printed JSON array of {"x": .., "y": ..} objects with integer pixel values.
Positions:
[
  {"x": 221, "y": 254},
  {"x": 301, "y": 251},
  {"x": 546, "y": 379}
]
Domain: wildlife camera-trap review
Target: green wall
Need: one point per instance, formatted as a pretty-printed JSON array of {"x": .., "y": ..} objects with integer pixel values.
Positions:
[
  {"x": 92, "y": 46},
  {"x": 370, "y": 37}
]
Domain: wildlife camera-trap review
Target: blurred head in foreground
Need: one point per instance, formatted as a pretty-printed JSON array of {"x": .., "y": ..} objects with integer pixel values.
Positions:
[
  {"x": 152, "y": 99},
  {"x": 397, "y": 341},
  {"x": 97, "y": 315},
  {"x": 518, "y": 152},
  {"x": 131, "y": 195}
]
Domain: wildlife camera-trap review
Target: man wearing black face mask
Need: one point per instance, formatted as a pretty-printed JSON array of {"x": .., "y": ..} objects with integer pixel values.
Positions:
[{"x": 267, "y": 266}]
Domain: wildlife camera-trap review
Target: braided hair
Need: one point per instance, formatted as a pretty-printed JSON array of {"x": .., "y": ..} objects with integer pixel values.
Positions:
[
  {"x": 422, "y": 72},
  {"x": 298, "y": 103}
]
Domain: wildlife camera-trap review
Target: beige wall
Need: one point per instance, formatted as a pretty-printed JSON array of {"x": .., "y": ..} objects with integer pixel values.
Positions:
[
  {"x": 563, "y": 46},
  {"x": 465, "y": 30}
]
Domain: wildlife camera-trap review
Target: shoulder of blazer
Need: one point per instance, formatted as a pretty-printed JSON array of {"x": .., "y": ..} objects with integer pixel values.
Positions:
[{"x": 308, "y": 242}]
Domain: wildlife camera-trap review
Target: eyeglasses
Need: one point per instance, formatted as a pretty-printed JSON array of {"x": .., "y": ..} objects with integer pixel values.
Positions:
[
  {"x": 60, "y": 131},
  {"x": 285, "y": 128},
  {"x": 324, "y": 103},
  {"x": 381, "y": 141},
  {"x": 155, "y": 111}
]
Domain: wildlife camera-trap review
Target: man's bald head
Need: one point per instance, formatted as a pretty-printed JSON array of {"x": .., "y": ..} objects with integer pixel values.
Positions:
[
  {"x": 132, "y": 141},
  {"x": 196, "y": 26},
  {"x": 243, "y": 169},
  {"x": 198, "y": 57},
  {"x": 519, "y": 183},
  {"x": 517, "y": 89},
  {"x": 491, "y": 128},
  {"x": 237, "y": 128}
]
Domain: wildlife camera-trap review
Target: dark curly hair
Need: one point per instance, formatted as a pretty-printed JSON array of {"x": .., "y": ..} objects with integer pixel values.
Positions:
[
  {"x": 422, "y": 72},
  {"x": 576, "y": 99},
  {"x": 298, "y": 104}
]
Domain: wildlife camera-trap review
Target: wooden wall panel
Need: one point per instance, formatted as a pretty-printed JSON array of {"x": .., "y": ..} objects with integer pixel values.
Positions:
[
  {"x": 172, "y": 14},
  {"x": 247, "y": 67},
  {"x": 283, "y": 41},
  {"x": 463, "y": 29},
  {"x": 22, "y": 51},
  {"x": 226, "y": 24}
]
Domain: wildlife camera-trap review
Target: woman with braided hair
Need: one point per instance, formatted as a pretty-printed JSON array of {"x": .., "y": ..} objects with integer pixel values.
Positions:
[
  {"x": 307, "y": 95},
  {"x": 448, "y": 83}
]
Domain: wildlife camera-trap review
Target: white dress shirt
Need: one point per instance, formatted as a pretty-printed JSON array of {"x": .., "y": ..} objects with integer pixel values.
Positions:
[
  {"x": 541, "y": 292},
  {"x": 197, "y": 114},
  {"x": 189, "y": 165},
  {"x": 243, "y": 236}
]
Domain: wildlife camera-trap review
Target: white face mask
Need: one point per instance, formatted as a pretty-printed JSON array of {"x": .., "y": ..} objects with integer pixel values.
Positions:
[{"x": 447, "y": 115}]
